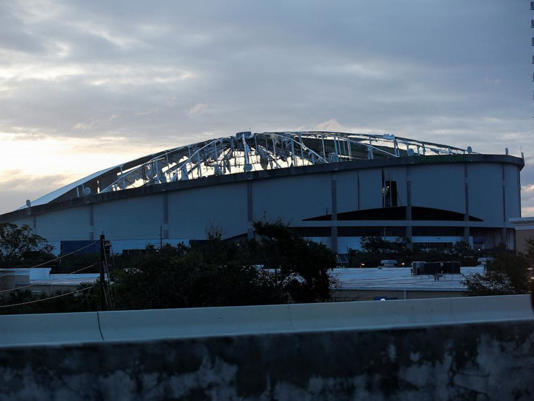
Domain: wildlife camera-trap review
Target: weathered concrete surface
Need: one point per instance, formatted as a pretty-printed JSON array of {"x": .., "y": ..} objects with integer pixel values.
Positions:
[{"x": 484, "y": 361}]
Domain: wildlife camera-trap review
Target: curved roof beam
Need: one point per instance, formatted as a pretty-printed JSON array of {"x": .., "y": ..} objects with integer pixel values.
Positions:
[{"x": 247, "y": 151}]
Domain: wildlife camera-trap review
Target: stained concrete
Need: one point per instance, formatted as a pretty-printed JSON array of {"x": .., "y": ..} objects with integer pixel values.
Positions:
[{"x": 485, "y": 361}]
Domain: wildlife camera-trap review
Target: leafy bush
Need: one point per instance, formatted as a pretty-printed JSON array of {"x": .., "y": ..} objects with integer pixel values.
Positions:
[
  {"x": 212, "y": 274},
  {"x": 300, "y": 266},
  {"x": 507, "y": 274},
  {"x": 277, "y": 267}
]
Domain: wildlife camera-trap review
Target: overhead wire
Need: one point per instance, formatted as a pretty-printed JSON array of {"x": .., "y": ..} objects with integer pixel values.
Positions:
[
  {"x": 62, "y": 256},
  {"x": 46, "y": 299},
  {"x": 53, "y": 260},
  {"x": 73, "y": 272},
  {"x": 31, "y": 285}
]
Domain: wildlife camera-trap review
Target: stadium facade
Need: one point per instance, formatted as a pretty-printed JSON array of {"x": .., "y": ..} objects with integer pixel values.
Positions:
[{"x": 331, "y": 187}]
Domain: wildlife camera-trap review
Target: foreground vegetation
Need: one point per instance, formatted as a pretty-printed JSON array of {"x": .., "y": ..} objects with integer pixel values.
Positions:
[
  {"x": 277, "y": 267},
  {"x": 375, "y": 249},
  {"x": 20, "y": 247},
  {"x": 508, "y": 273}
]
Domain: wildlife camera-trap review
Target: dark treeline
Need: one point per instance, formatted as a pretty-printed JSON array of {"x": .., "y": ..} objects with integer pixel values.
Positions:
[
  {"x": 508, "y": 273},
  {"x": 277, "y": 266},
  {"x": 375, "y": 249}
]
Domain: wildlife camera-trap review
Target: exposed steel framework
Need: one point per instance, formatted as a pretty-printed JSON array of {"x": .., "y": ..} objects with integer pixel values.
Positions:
[{"x": 245, "y": 152}]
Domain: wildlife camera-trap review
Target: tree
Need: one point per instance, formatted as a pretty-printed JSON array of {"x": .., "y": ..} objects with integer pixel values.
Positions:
[
  {"x": 277, "y": 267},
  {"x": 375, "y": 249},
  {"x": 19, "y": 246},
  {"x": 507, "y": 274},
  {"x": 87, "y": 300},
  {"x": 214, "y": 273},
  {"x": 464, "y": 253},
  {"x": 301, "y": 266},
  {"x": 530, "y": 250}
]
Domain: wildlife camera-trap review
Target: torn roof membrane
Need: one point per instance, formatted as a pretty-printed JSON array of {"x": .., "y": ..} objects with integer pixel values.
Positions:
[{"x": 245, "y": 152}]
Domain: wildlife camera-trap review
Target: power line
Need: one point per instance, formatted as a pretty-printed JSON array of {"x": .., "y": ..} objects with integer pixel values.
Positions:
[
  {"x": 31, "y": 285},
  {"x": 48, "y": 298},
  {"x": 82, "y": 269},
  {"x": 106, "y": 270},
  {"x": 61, "y": 256}
]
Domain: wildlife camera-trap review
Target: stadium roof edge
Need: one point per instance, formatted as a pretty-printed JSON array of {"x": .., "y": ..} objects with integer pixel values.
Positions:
[
  {"x": 244, "y": 152},
  {"x": 258, "y": 175}
]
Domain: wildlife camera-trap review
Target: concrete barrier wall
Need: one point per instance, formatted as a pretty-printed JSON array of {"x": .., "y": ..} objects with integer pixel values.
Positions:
[
  {"x": 43, "y": 329},
  {"x": 62, "y": 328},
  {"x": 441, "y": 349}
]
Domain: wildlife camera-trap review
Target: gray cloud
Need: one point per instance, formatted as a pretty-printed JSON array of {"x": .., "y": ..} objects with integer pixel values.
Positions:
[
  {"x": 528, "y": 199},
  {"x": 455, "y": 72},
  {"x": 16, "y": 187}
]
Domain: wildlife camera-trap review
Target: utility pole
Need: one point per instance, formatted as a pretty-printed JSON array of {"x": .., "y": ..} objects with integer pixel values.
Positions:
[{"x": 103, "y": 305}]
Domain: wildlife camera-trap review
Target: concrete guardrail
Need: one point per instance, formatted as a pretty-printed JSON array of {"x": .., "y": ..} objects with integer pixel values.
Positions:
[{"x": 92, "y": 327}]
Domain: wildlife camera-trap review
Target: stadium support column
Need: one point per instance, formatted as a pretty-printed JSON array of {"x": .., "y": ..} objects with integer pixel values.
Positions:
[
  {"x": 504, "y": 236},
  {"x": 358, "y": 189},
  {"x": 334, "y": 214},
  {"x": 409, "y": 229},
  {"x": 102, "y": 280},
  {"x": 250, "y": 214},
  {"x": 91, "y": 222},
  {"x": 165, "y": 226},
  {"x": 466, "y": 194},
  {"x": 519, "y": 191}
]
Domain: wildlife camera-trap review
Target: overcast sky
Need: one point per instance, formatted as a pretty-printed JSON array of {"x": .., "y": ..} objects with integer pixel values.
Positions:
[{"x": 89, "y": 84}]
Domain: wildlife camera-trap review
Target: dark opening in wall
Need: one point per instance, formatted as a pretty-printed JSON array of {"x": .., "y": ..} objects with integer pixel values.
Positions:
[
  {"x": 428, "y": 213},
  {"x": 395, "y": 231},
  {"x": 371, "y": 231},
  {"x": 312, "y": 231},
  {"x": 389, "y": 194},
  {"x": 438, "y": 231},
  {"x": 360, "y": 231},
  {"x": 419, "y": 246},
  {"x": 397, "y": 213}
]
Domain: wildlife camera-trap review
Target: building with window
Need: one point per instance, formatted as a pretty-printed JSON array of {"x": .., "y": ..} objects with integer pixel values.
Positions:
[{"x": 331, "y": 187}]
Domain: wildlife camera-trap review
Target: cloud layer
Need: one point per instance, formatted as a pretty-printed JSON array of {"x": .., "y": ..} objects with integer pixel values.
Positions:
[{"x": 155, "y": 75}]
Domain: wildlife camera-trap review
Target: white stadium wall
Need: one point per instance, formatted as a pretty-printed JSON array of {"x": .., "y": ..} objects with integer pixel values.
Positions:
[
  {"x": 332, "y": 203},
  {"x": 438, "y": 186},
  {"x": 194, "y": 213},
  {"x": 292, "y": 198}
]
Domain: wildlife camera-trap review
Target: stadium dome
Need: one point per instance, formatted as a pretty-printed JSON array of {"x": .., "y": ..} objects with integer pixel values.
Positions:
[
  {"x": 331, "y": 187},
  {"x": 245, "y": 152}
]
